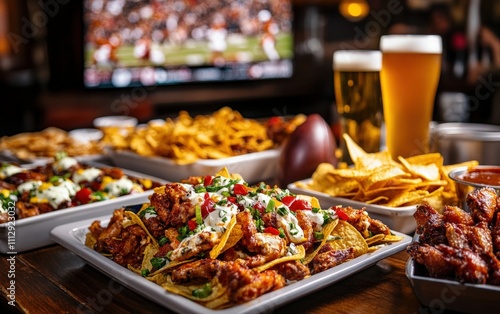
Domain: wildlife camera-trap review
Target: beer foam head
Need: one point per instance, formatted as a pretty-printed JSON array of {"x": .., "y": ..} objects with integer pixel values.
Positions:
[
  {"x": 357, "y": 60},
  {"x": 411, "y": 43}
]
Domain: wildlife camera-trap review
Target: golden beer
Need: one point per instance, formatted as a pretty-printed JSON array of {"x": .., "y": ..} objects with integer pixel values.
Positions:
[
  {"x": 411, "y": 66},
  {"x": 359, "y": 98}
]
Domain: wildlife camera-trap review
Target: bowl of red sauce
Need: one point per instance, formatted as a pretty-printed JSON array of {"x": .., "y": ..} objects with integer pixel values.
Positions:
[{"x": 468, "y": 179}]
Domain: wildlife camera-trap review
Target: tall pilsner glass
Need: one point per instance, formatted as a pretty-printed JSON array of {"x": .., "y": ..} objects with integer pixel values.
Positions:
[
  {"x": 411, "y": 66},
  {"x": 358, "y": 97}
]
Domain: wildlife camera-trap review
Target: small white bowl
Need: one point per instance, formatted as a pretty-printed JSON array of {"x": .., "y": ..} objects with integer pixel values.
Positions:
[
  {"x": 115, "y": 121},
  {"x": 86, "y": 135}
]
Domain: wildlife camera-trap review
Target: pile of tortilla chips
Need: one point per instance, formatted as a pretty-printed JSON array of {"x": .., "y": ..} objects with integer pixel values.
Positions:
[
  {"x": 46, "y": 143},
  {"x": 335, "y": 231},
  {"x": 186, "y": 139},
  {"x": 376, "y": 178}
]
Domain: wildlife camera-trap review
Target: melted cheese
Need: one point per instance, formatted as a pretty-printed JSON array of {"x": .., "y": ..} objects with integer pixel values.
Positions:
[
  {"x": 9, "y": 170},
  {"x": 55, "y": 195},
  {"x": 119, "y": 187},
  {"x": 29, "y": 186},
  {"x": 88, "y": 175},
  {"x": 64, "y": 164}
]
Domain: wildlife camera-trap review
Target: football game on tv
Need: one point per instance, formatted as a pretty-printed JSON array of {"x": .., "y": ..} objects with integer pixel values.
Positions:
[{"x": 161, "y": 42}]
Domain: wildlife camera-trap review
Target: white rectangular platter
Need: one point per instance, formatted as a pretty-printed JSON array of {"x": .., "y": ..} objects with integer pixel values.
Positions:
[
  {"x": 254, "y": 167},
  {"x": 72, "y": 237}
]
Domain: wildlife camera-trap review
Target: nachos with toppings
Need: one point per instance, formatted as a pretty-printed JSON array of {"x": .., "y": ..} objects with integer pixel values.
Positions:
[
  {"x": 62, "y": 184},
  {"x": 220, "y": 242}
]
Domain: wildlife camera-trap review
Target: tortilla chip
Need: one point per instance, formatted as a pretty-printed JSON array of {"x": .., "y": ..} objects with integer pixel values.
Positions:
[
  {"x": 374, "y": 239},
  {"x": 224, "y": 244},
  {"x": 216, "y": 289},
  {"x": 299, "y": 254},
  {"x": 346, "y": 236},
  {"x": 137, "y": 220},
  {"x": 327, "y": 230}
]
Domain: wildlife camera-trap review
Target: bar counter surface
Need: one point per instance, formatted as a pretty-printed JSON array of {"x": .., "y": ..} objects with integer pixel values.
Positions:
[{"x": 55, "y": 280}]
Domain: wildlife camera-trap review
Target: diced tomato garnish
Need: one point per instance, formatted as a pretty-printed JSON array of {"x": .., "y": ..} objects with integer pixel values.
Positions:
[
  {"x": 84, "y": 195},
  {"x": 208, "y": 180},
  {"x": 300, "y": 204},
  {"x": 207, "y": 206},
  {"x": 192, "y": 225},
  {"x": 258, "y": 206},
  {"x": 288, "y": 200},
  {"x": 271, "y": 230},
  {"x": 341, "y": 214},
  {"x": 274, "y": 121},
  {"x": 231, "y": 199},
  {"x": 240, "y": 189}
]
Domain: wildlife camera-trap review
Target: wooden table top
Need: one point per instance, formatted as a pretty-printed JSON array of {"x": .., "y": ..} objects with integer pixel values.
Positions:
[{"x": 55, "y": 280}]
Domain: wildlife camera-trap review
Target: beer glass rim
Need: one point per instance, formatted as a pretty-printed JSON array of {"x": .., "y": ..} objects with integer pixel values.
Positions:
[
  {"x": 411, "y": 43},
  {"x": 357, "y": 60}
]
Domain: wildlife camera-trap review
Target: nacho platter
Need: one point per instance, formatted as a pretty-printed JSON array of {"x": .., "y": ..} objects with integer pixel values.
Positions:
[
  {"x": 23, "y": 234},
  {"x": 223, "y": 244},
  {"x": 72, "y": 237}
]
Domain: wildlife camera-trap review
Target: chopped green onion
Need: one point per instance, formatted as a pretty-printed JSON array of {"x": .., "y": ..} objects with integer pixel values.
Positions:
[
  {"x": 318, "y": 235},
  {"x": 203, "y": 292},
  {"x": 282, "y": 233},
  {"x": 163, "y": 240},
  {"x": 149, "y": 210},
  {"x": 199, "y": 217},
  {"x": 282, "y": 211},
  {"x": 158, "y": 262}
]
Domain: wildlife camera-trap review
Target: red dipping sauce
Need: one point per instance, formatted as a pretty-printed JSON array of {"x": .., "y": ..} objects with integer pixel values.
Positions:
[{"x": 486, "y": 176}]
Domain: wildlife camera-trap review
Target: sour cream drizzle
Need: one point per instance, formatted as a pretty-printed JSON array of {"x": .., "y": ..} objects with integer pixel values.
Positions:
[{"x": 9, "y": 170}]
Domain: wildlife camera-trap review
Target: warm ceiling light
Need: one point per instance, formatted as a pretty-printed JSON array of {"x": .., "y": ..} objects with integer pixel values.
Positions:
[{"x": 354, "y": 10}]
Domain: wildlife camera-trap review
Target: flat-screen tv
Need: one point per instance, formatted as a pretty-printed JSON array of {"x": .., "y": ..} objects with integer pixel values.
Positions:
[{"x": 130, "y": 43}]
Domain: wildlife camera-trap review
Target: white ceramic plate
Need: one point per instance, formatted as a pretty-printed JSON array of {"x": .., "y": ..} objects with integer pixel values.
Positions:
[
  {"x": 72, "y": 237},
  {"x": 33, "y": 232},
  {"x": 396, "y": 218},
  {"x": 254, "y": 167}
]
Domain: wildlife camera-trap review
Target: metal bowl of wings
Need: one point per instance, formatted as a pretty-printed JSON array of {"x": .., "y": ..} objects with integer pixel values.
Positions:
[{"x": 454, "y": 257}]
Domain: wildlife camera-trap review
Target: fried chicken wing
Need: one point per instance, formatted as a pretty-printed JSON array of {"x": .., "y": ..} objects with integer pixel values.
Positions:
[
  {"x": 366, "y": 225},
  {"x": 495, "y": 234},
  {"x": 269, "y": 245},
  {"x": 329, "y": 257},
  {"x": 126, "y": 245},
  {"x": 430, "y": 225},
  {"x": 483, "y": 204},
  {"x": 307, "y": 226},
  {"x": 457, "y": 215},
  {"x": 434, "y": 260},
  {"x": 468, "y": 265},
  {"x": 460, "y": 245},
  {"x": 172, "y": 207},
  {"x": 244, "y": 284},
  {"x": 199, "y": 271},
  {"x": 293, "y": 270}
]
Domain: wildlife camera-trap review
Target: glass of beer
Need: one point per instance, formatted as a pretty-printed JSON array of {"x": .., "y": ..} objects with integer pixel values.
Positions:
[
  {"x": 411, "y": 67},
  {"x": 356, "y": 75}
]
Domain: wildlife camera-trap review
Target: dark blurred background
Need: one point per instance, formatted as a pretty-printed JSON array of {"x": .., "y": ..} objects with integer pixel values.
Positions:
[{"x": 41, "y": 60}]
